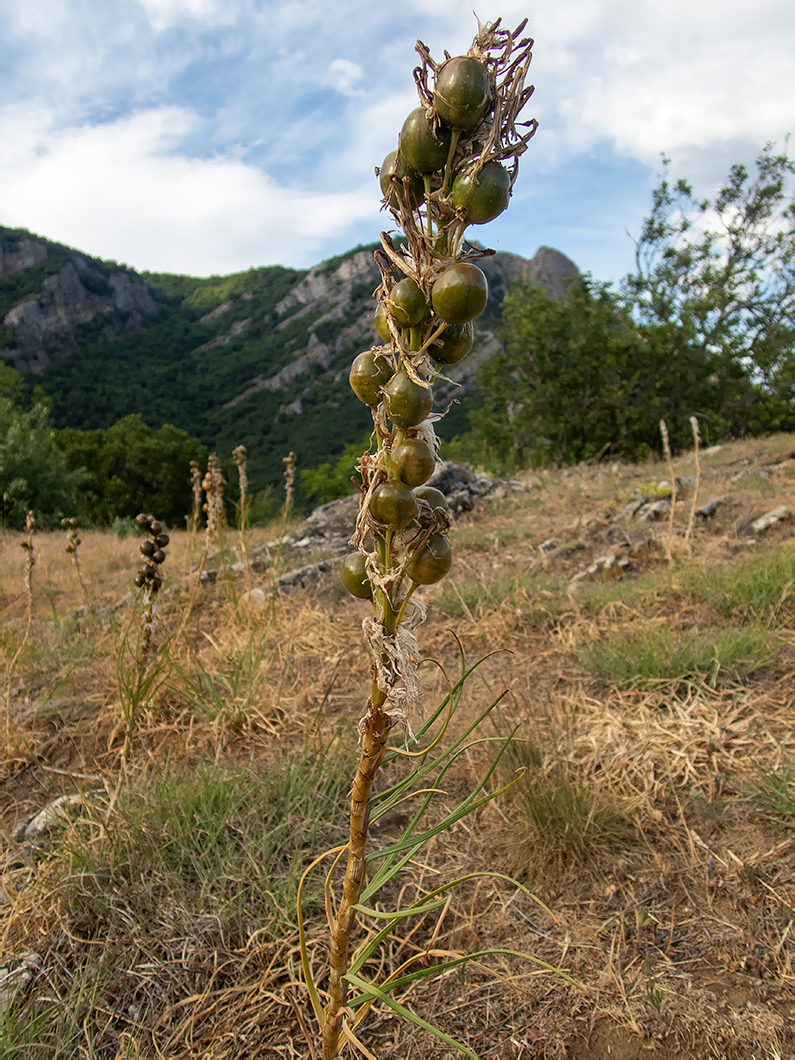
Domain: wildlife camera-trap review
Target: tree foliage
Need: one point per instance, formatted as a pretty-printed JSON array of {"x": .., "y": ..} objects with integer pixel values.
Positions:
[
  {"x": 33, "y": 471},
  {"x": 577, "y": 377},
  {"x": 720, "y": 273},
  {"x": 130, "y": 468},
  {"x": 704, "y": 326}
]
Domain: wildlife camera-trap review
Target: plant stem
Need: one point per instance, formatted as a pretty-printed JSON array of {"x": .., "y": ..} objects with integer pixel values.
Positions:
[
  {"x": 374, "y": 738},
  {"x": 448, "y": 169}
]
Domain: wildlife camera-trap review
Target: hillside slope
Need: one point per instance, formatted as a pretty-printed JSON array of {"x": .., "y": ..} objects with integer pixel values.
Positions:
[{"x": 259, "y": 357}]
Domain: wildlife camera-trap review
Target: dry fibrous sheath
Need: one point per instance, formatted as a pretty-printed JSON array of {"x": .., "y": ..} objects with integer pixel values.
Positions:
[{"x": 455, "y": 164}]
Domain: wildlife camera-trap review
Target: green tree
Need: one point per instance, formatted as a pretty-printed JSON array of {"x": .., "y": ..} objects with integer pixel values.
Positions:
[
  {"x": 577, "y": 377},
  {"x": 33, "y": 471},
  {"x": 720, "y": 274},
  {"x": 131, "y": 468}
]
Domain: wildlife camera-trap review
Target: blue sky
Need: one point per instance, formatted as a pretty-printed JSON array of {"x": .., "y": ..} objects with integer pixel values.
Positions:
[{"x": 209, "y": 136}]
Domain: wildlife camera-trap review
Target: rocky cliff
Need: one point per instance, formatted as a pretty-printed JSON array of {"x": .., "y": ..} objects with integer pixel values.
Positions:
[{"x": 85, "y": 300}]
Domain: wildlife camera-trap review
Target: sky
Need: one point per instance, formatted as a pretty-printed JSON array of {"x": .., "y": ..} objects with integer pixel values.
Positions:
[{"x": 211, "y": 136}]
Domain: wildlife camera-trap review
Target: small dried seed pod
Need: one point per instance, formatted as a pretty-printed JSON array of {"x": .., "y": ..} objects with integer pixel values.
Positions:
[
  {"x": 139, "y": 581},
  {"x": 142, "y": 521},
  {"x": 159, "y": 556},
  {"x": 155, "y": 526},
  {"x": 155, "y": 581},
  {"x": 162, "y": 540}
]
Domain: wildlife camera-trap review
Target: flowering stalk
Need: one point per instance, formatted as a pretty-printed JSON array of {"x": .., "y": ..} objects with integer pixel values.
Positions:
[{"x": 455, "y": 165}]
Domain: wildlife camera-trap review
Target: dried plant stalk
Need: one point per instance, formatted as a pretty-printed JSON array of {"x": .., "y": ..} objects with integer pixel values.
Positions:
[
  {"x": 694, "y": 501},
  {"x": 30, "y": 560},
  {"x": 672, "y": 477}
]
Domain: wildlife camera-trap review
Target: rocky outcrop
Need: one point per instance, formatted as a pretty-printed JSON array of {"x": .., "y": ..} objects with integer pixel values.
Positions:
[
  {"x": 24, "y": 255},
  {"x": 76, "y": 301}
]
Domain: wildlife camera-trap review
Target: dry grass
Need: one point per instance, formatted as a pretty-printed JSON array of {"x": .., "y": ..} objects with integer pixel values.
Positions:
[{"x": 654, "y": 819}]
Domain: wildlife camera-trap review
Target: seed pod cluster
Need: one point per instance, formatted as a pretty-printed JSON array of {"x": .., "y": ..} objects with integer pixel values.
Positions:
[
  {"x": 455, "y": 165},
  {"x": 70, "y": 526},
  {"x": 153, "y": 553}
]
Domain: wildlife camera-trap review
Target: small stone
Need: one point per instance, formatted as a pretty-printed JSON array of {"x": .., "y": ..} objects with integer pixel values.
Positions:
[
  {"x": 764, "y": 522},
  {"x": 655, "y": 511}
]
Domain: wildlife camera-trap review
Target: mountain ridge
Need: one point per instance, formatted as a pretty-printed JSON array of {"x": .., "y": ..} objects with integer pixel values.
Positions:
[{"x": 258, "y": 357}]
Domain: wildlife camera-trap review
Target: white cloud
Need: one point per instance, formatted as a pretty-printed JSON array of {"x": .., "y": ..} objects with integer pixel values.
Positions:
[
  {"x": 119, "y": 190},
  {"x": 344, "y": 76},
  {"x": 163, "y": 14}
]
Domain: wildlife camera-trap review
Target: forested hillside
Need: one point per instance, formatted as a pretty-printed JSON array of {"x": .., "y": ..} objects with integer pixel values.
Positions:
[{"x": 258, "y": 358}]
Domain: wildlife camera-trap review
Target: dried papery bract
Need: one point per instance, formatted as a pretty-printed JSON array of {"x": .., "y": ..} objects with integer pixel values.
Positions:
[
  {"x": 462, "y": 146},
  {"x": 30, "y": 560}
]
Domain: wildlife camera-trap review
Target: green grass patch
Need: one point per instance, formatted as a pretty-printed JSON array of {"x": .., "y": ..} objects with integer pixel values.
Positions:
[
  {"x": 563, "y": 819},
  {"x": 650, "y": 656},
  {"x": 163, "y": 899},
  {"x": 762, "y": 585},
  {"x": 773, "y": 790}
]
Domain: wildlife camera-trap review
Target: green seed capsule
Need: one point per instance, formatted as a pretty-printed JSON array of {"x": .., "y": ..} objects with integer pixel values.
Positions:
[
  {"x": 424, "y": 149},
  {"x": 368, "y": 374},
  {"x": 413, "y": 461},
  {"x": 147, "y": 548},
  {"x": 485, "y": 194},
  {"x": 455, "y": 342},
  {"x": 432, "y": 496},
  {"x": 393, "y": 166},
  {"x": 155, "y": 526},
  {"x": 394, "y": 504},
  {"x": 462, "y": 94},
  {"x": 407, "y": 403},
  {"x": 432, "y": 561},
  {"x": 381, "y": 322},
  {"x": 407, "y": 303},
  {"x": 354, "y": 577},
  {"x": 460, "y": 293}
]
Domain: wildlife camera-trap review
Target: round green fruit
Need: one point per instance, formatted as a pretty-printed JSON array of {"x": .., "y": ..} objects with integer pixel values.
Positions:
[
  {"x": 432, "y": 496},
  {"x": 407, "y": 403},
  {"x": 484, "y": 195},
  {"x": 423, "y": 148},
  {"x": 462, "y": 94},
  {"x": 382, "y": 322},
  {"x": 460, "y": 293},
  {"x": 394, "y": 166},
  {"x": 407, "y": 303},
  {"x": 413, "y": 461},
  {"x": 394, "y": 504},
  {"x": 454, "y": 344},
  {"x": 369, "y": 373},
  {"x": 432, "y": 561},
  {"x": 354, "y": 577}
]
